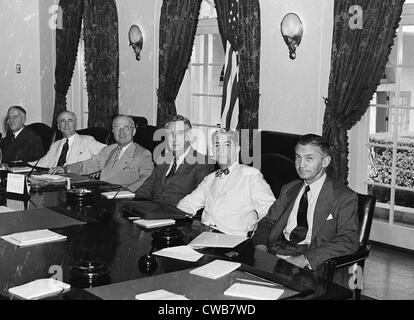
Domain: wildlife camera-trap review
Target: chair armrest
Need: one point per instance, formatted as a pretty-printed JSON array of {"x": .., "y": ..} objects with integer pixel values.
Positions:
[{"x": 347, "y": 260}]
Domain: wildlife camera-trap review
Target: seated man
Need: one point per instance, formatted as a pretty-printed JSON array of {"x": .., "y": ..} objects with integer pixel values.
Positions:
[
  {"x": 180, "y": 170},
  {"x": 20, "y": 143},
  {"x": 125, "y": 162},
  {"x": 236, "y": 196},
  {"x": 72, "y": 147},
  {"x": 315, "y": 218}
]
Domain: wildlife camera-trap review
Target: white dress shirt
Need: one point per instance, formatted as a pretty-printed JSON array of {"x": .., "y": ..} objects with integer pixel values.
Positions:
[
  {"x": 233, "y": 203},
  {"x": 123, "y": 149},
  {"x": 313, "y": 194},
  {"x": 17, "y": 132}
]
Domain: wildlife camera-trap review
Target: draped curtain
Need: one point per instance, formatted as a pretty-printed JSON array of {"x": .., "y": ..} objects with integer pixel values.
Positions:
[
  {"x": 101, "y": 61},
  {"x": 358, "y": 61},
  {"x": 246, "y": 39},
  {"x": 178, "y": 25},
  {"x": 67, "y": 41}
]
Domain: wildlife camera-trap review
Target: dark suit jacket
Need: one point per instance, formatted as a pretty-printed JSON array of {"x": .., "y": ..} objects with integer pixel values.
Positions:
[
  {"x": 26, "y": 147},
  {"x": 335, "y": 224},
  {"x": 185, "y": 180}
]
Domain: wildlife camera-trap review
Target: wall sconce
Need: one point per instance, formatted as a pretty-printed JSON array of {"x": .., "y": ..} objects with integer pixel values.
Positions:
[
  {"x": 292, "y": 31},
  {"x": 136, "y": 40}
]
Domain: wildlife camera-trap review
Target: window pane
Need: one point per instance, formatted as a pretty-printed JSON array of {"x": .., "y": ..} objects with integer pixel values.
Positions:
[
  {"x": 405, "y": 168},
  {"x": 380, "y": 121},
  {"x": 198, "y": 52},
  {"x": 197, "y": 77},
  {"x": 408, "y": 45},
  {"x": 383, "y": 195},
  {"x": 379, "y": 161}
]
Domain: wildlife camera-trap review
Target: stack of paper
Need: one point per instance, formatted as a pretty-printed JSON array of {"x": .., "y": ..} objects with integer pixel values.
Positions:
[
  {"x": 253, "y": 292},
  {"x": 29, "y": 238},
  {"x": 216, "y": 269},
  {"x": 181, "y": 253},
  {"x": 53, "y": 177},
  {"x": 6, "y": 209},
  {"x": 40, "y": 288},
  {"x": 160, "y": 295},
  {"x": 217, "y": 240},
  {"x": 125, "y": 194},
  {"x": 154, "y": 223},
  {"x": 21, "y": 169}
]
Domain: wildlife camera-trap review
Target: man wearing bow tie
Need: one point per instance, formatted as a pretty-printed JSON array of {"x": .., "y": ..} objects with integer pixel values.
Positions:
[
  {"x": 315, "y": 218},
  {"x": 236, "y": 196}
]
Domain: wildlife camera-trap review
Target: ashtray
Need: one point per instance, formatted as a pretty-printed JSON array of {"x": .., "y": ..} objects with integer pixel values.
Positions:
[
  {"x": 80, "y": 196},
  {"x": 90, "y": 274}
]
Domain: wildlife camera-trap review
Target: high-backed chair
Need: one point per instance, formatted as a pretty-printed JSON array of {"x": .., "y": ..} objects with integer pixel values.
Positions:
[
  {"x": 277, "y": 170},
  {"x": 366, "y": 208},
  {"x": 45, "y": 133},
  {"x": 144, "y": 136}
]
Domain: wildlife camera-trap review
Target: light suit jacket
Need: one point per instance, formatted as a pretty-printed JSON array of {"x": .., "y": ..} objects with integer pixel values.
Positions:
[
  {"x": 335, "y": 223},
  {"x": 131, "y": 170},
  {"x": 82, "y": 148}
]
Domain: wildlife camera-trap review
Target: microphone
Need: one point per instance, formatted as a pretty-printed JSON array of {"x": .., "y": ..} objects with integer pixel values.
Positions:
[{"x": 34, "y": 167}]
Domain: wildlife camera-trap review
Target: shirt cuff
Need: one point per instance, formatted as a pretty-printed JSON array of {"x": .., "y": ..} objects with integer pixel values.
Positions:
[{"x": 308, "y": 265}]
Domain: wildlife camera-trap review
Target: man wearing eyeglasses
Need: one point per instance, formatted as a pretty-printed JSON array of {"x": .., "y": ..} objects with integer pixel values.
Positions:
[
  {"x": 125, "y": 163},
  {"x": 236, "y": 196},
  {"x": 20, "y": 143},
  {"x": 314, "y": 218},
  {"x": 179, "y": 167},
  {"x": 72, "y": 147}
]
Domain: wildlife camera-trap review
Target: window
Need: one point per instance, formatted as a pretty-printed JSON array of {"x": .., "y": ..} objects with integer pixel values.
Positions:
[
  {"x": 199, "y": 98},
  {"x": 390, "y": 141}
]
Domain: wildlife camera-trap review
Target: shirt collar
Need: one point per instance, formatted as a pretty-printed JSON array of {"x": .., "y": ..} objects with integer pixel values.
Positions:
[
  {"x": 17, "y": 132},
  {"x": 317, "y": 185},
  {"x": 181, "y": 158}
]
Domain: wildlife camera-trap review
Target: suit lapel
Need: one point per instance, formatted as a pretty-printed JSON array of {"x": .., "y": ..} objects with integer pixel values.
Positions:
[
  {"x": 323, "y": 207},
  {"x": 184, "y": 166}
]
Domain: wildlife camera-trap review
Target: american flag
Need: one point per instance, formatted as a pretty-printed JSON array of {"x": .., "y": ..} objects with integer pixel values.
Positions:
[{"x": 230, "y": 100}]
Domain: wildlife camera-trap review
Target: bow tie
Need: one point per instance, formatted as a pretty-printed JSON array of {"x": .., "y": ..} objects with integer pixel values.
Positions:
[{"x": 220, "y": 172}]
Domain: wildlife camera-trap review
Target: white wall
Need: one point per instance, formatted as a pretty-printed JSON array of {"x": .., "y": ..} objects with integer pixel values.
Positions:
[
  {"x": 292, "y": 90},
  {"x": 19, "y": 43}
]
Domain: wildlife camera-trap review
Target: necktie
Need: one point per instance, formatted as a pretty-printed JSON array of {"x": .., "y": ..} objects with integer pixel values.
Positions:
[
  {"x": 117, "y": 154},
  {"x": 173, "y": 169},
  {"x": 62, "y": 158},
  {"x": 220, "y": 172},
  {"x": 299, "y": 233}
]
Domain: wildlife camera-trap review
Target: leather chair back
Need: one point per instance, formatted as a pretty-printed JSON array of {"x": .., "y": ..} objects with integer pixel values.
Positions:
[
  {"x": 277, "y": 170},
  {"x": 366, "y": 208},
  {"x": 279, "y": 142},
  {"x": 45, "y": 133},
  {"x": 100, "y": 134},
  {"x": 144, "y": 136}
]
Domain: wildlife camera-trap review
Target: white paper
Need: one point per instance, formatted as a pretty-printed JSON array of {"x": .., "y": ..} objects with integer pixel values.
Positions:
[
  {"x": 180, "y": 252},
  {"x": 253, "y": 292},
  {"x": 39, "y": 288},
  {"x": 125, "y": 194},
  {"x": 15, "y": 183},
  {"x": 160, "y": 295},
  {"x": 217, "y": 240},
  {"x": 154, "y": 223},
  {"x": 6, "y": 209},
  {"x": 54, "y": 177},
  {"x": 216, "y": 269},
  {"x": 29, "y": 238},
  {"x": 20, "y": 169}
]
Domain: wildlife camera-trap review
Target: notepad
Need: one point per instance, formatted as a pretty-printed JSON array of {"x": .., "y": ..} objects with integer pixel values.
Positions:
[
  {"x": 29, "y": 238},
  {"x": 160, "y": 295},
  {"x": 217, "y": 240},
  {"x": 180, "y": 252},
  {"x": 40, "y": 288},
  {"x": 216, "y": 269},
  {"x": 148, "y": 224},
  {"x": 125, "y": 194},
  {"x": 251, "y": 291}
]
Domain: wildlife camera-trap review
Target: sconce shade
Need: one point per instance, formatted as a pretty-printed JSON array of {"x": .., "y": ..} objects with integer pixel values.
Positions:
[
  {"x": 136, "y": 40},
  {"x": 291, "y": 28}
]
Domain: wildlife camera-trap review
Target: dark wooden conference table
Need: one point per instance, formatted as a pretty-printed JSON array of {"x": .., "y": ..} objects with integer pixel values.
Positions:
[{"x": 109, "y": 237}]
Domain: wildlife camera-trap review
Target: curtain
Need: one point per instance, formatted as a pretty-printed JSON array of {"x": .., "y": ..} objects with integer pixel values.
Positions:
[
  {"x": 178, "y": 25},
  {"x": 358, "y": 62},
  {"x": 246, "y": 38},
  {"x": 101, "y": 61},
  {"x": 67, "y": 41}
]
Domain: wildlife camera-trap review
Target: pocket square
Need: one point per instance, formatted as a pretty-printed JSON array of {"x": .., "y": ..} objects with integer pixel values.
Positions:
[{"x": 329, "y": 217}]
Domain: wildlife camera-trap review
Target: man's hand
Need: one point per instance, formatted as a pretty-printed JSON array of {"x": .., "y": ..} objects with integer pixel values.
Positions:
[
  {"x": 299, "y": 261},
  {"x": 56, "y": 170},
  {"x": 261, "y": 247}
]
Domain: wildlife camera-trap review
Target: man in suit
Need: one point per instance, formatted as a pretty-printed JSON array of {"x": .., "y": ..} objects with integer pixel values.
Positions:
[
  {"x": 236, "y": 196},
  {"x": 124, "y": 162},
  {"x": 20, "y": 143},
  {"x": 72, "y": 147},
  {"x": 314, "y": 218},
  {"x": 179, "y": 171}
]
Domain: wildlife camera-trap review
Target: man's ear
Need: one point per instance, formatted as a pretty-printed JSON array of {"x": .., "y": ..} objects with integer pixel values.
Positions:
[
  {"x": 189, "y": 136},
  {"x": 326, "y": 161}
]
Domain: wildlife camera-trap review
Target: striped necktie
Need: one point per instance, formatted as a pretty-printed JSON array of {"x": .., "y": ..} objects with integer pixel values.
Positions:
[
  {"x": 117, "y": 154},
  {"x": 62, "y": 157}
]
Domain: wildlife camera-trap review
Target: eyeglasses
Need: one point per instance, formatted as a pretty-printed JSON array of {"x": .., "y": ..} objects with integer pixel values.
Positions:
[{"x": 125, "y": 129}]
